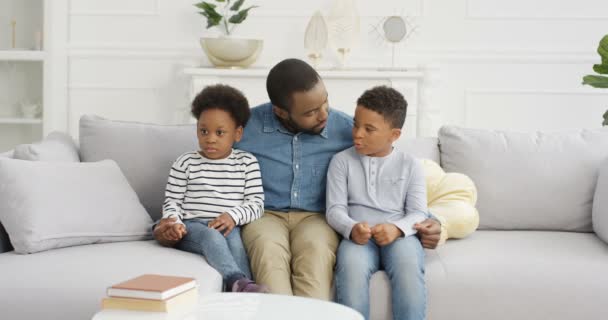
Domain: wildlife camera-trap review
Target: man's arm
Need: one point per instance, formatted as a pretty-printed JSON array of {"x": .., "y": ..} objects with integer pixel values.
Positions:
[{"x": 429, "y": 232}]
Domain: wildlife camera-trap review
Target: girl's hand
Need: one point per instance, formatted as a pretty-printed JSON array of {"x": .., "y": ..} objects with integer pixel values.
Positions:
[
  {"x": 223, "y": 223},
  {"x": 167, "y": 232}
]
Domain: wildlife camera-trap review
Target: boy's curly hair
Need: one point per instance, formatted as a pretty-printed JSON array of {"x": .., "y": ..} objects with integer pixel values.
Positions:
[
  {"x": 386, "y": 101},
  {"x": 223, "y": 97}
]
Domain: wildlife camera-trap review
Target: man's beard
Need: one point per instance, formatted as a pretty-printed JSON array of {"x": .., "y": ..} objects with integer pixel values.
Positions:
[{"x": 294, "y": 127}]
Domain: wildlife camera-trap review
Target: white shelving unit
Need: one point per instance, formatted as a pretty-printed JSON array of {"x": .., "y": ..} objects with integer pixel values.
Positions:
[
  {"x": 24, "y": 71},
  {"x": 22, "y": 55},
  {"x": 344, "y": 87},
  {"x": 20, "y": 121}
]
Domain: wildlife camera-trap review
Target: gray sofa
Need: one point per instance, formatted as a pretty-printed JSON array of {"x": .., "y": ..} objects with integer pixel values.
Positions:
[{"x": 535, "y": 256}]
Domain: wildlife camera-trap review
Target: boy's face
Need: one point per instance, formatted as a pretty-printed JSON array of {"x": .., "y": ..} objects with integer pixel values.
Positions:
[
  {"x": 309, "y": 110},
  {"x": 217, "y": 132},
  {"x": 372, "y": 134}
]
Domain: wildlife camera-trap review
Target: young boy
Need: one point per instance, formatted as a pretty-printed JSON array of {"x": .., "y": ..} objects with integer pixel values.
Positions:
[
  {"x": 213, "y": 191},
  {"x": 375, "y": 196}
]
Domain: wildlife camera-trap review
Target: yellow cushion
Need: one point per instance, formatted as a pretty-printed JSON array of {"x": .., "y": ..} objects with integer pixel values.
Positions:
[{"x": 451, "y": 198}]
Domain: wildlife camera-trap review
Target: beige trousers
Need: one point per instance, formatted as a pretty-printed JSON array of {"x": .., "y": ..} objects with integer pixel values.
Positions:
[{"x": 293, "y": 253}]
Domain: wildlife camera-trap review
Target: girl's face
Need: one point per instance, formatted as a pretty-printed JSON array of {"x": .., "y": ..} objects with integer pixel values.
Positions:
[{"x": 217, "y": 132}]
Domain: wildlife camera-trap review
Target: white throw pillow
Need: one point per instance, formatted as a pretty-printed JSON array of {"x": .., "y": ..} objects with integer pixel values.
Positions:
[
  {"x": 600, "y": 204},
  {"x": 47, "y": 205},
  {"x": 57, "y": 146}
]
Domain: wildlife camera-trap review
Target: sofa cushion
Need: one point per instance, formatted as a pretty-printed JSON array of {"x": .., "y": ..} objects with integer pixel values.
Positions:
[
  {"x": 541, "y": 181},
  {"x": 69, "y": 283},
  {"x": 46, "y": 205},
  {"x": 506, "y": 275},
  {"x": 144, "y": 153},
  {"x": 600, "y": 204},
  {"x": 57, "y": 146}
]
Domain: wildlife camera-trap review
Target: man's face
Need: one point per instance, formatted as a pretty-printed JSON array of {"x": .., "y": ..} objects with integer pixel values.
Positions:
[
  {"x": 372, "y": 135},
  {"x": 309, "y": 110}
]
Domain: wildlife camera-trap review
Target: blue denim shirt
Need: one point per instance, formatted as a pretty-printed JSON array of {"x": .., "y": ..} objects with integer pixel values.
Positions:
[{"x": 294, "y": 166}]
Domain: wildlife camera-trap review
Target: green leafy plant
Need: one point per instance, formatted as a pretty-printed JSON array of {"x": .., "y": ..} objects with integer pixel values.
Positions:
[
  {"x": 598, "y": 81},
  {"x": 227, "y": 18}
]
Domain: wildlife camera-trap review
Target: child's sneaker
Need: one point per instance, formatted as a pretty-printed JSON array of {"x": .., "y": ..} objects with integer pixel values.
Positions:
[{"x": 246, "y": 285}]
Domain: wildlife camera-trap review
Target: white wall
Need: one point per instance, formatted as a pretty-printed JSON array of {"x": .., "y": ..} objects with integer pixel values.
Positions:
[{"x": 503, "y": 64}]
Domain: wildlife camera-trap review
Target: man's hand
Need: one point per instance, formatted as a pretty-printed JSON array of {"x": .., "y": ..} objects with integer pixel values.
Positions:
[
  {"x": 223, "y": 223},
  {"x": 429, "y": 232},
  {"x": 168, "y": 232},
  {"x": 386, "y": 233},
  {"x": 361, "y": 233}
]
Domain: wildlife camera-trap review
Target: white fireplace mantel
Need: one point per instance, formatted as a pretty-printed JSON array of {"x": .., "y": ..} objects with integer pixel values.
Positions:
[{"x": 343, "y": 86}]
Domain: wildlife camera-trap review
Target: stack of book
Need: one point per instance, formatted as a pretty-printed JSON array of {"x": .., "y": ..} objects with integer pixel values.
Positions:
[{"x": 152, "y": 292}]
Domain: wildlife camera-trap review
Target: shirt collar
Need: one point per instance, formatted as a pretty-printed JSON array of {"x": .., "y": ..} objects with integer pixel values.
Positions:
[{"x": 272, "y": 124}]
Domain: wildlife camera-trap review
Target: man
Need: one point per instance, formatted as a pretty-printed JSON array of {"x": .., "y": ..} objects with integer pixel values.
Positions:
[{"x": 291, "y": 247}]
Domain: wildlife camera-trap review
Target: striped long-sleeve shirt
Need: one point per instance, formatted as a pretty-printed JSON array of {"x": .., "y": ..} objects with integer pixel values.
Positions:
[{"x": 204, "y": 188}]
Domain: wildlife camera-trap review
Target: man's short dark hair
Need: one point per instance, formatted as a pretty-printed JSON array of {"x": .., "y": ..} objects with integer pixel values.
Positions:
[
  {"x": 288, "y": 77},
  {"x": 223, "y": 97},
  {"x": 386, "y": 101}
]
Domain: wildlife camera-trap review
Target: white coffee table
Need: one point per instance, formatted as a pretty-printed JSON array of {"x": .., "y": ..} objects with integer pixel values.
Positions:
[{"x": 245, "y": 306}]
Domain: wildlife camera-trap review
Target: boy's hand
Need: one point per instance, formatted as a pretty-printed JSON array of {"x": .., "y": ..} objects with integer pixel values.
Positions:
[
  {"x": 386, "y": 233},
  {"x": 168, "y": 232},
  {"x": 361, "y": 233},
  {"x": 429, "y": 232},
  {"x": 223, "y": 223}
]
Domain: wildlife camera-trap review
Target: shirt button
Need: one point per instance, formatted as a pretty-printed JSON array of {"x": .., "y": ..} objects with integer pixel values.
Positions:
[
  {"x": 295, "y": 194},
  {"x": 297, "y": 166},
  {"x": 295, "y": 138}
]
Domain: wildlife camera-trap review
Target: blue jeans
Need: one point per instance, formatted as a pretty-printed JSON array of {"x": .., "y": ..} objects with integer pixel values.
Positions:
[
  {"x": 225, "y": 254},
  {"x": 403, "y": 261}
]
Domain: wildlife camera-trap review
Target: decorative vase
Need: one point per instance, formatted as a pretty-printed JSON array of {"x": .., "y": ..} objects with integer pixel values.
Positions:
[
  {"x": 315, "y": 38},
  {"x": 344, "y": 27},
  {"x": 228, "y": 52}
]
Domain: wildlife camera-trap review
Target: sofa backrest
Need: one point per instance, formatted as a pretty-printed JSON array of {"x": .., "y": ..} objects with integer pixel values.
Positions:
[
  {"x": 541, "y": 181},
  {"x": 424, "y": 147},
  {"x": 144, "y": 153}
]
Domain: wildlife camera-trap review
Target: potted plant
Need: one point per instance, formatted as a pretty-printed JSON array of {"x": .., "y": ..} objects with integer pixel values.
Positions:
[
  {"x": 227, "y": 51},
  {"x": 598, "y": 81}
]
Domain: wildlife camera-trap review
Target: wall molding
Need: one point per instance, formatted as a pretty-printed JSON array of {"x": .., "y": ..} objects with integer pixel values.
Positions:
[
  {"x": 470, "y": 92},
  {"x": 85, "y": 86},
  {"x": 377, "y": 12},
  {"x": 154, "y": 11},
  {"x": 471, "y": 16},
  {"x": 121, "y": 50}
]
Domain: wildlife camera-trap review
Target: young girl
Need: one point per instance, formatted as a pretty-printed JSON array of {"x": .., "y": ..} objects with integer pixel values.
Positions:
[{"x": 212, "y": 191}]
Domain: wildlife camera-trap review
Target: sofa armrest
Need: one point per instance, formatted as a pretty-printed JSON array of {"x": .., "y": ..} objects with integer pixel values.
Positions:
[
  {"x": 600, "y": 204},
  {"x": 5, "y": 244}
]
